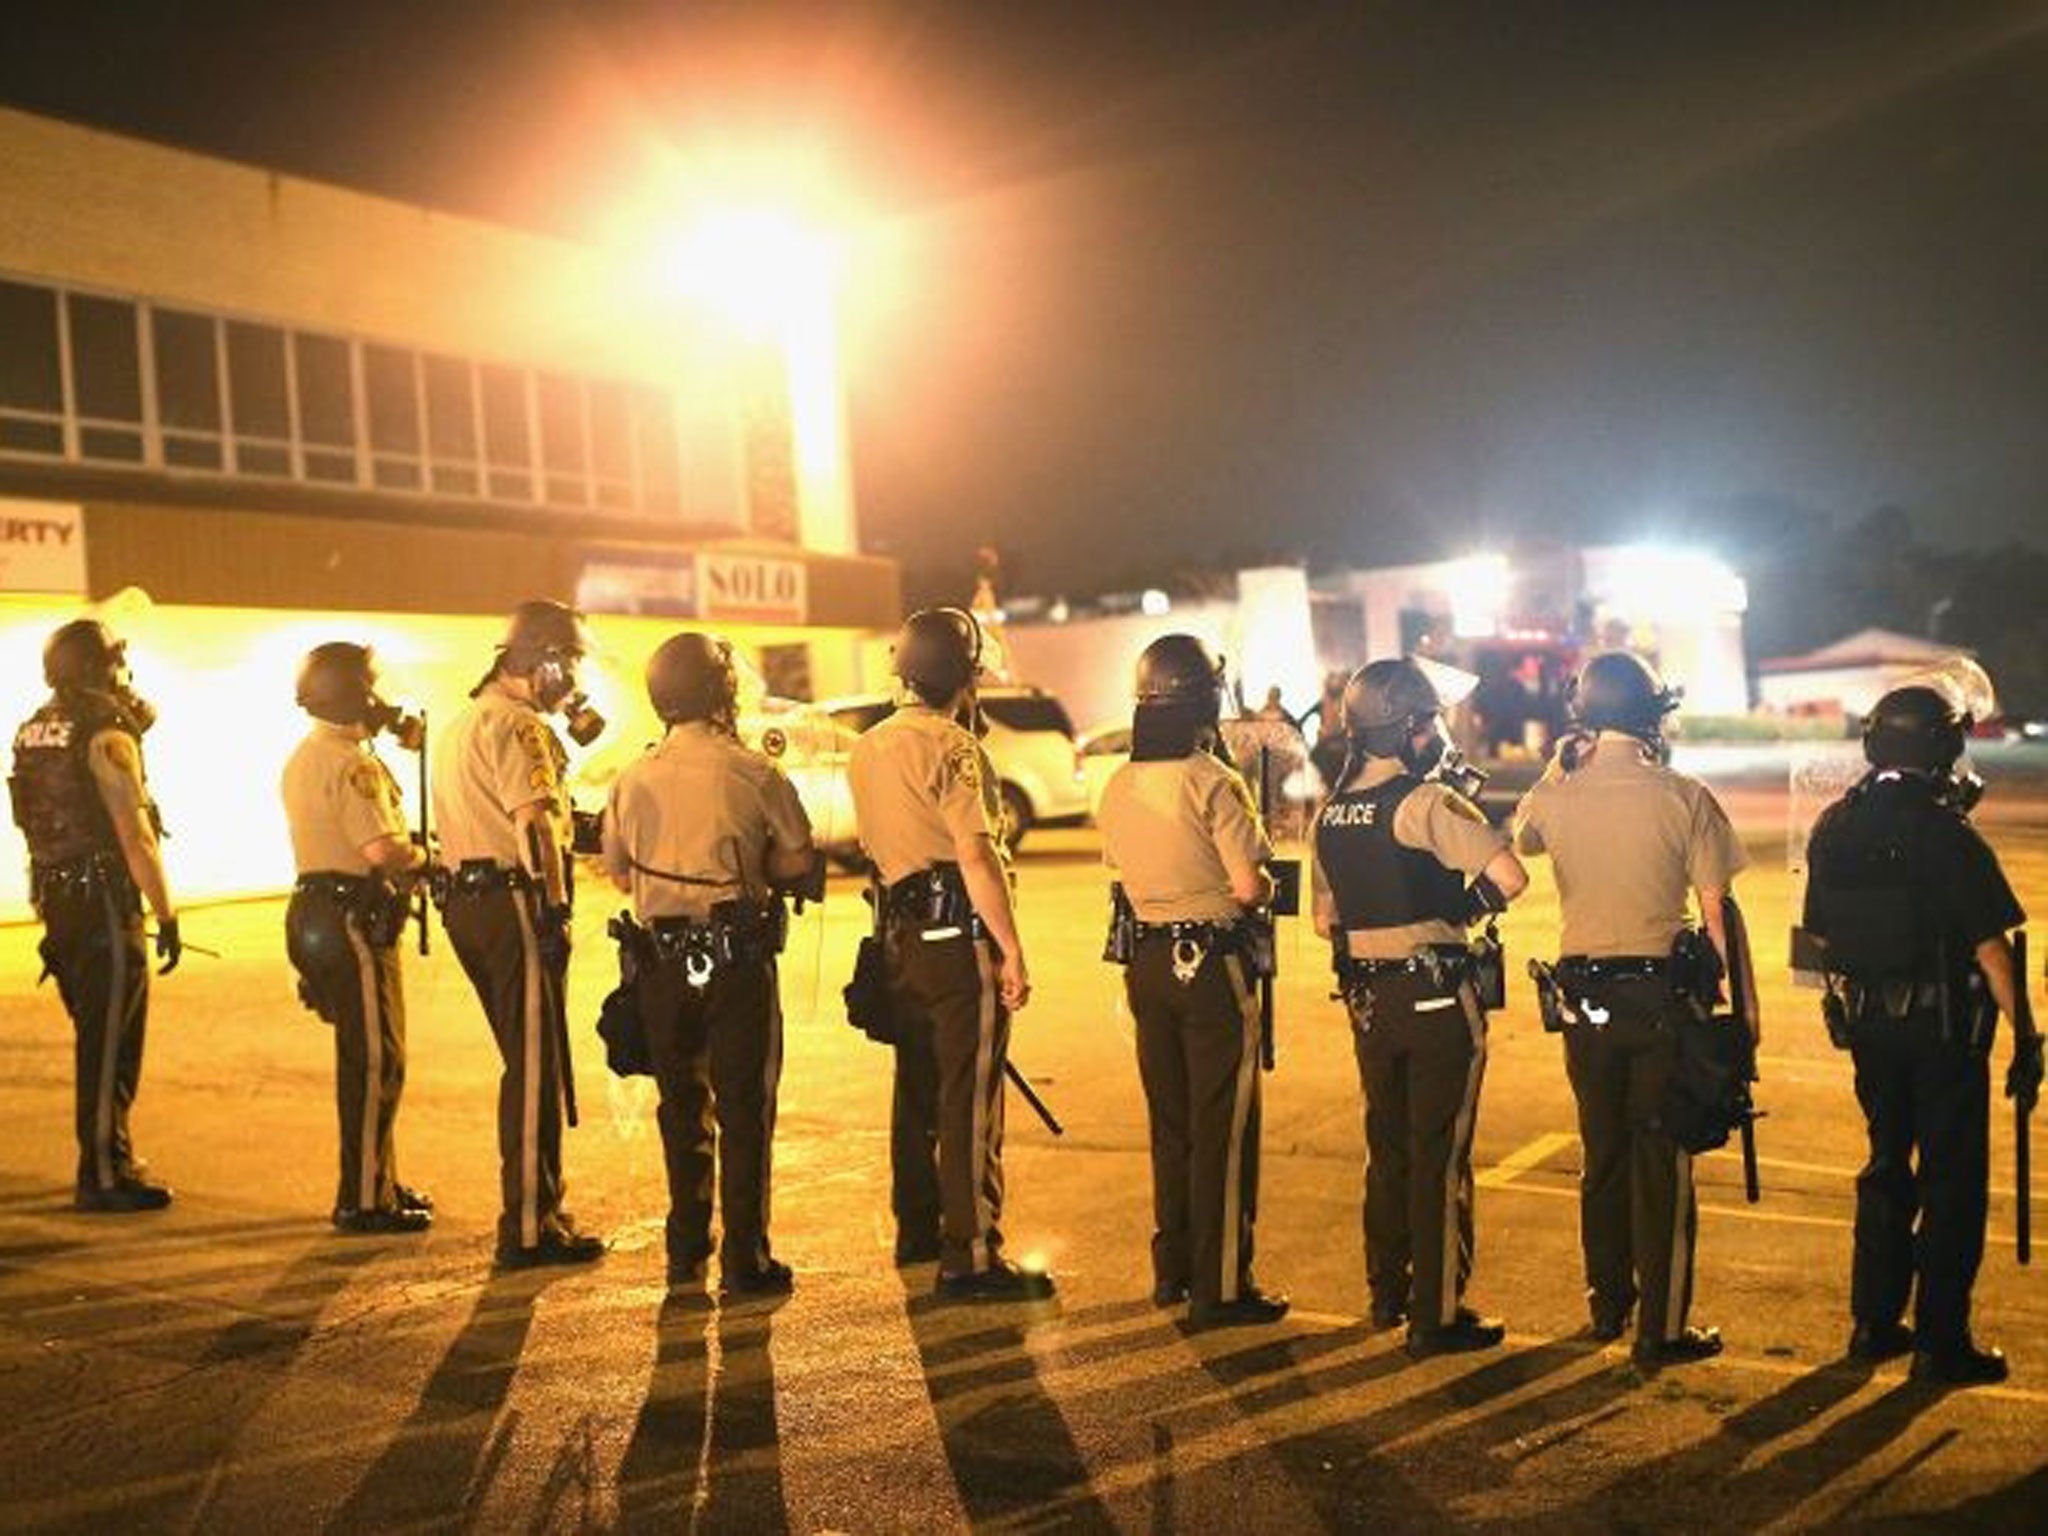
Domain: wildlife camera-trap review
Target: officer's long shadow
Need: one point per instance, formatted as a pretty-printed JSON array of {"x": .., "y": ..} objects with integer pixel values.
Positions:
[
  {"x": 443, "y": 1458},
  {"x": 706, "y": 1450},
  {"x": 1011, "y": 1453},
  {"x": 2015, "y": 1507}
]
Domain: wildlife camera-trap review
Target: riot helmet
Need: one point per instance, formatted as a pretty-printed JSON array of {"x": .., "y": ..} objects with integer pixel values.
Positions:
[
  {"x": 85, "y": 656},
  {"x": 338, "y": 684},
  {"x": 544, "y": 640},
  {"x": 691, "y": 676},
  {"x": 938, "y": 653},
  {"x": 1387, "y": 704},
  {"x": 1914, "y": 727},
  {"x": 1619, "y": 691},
  {"x": 1180, "y": 669}
]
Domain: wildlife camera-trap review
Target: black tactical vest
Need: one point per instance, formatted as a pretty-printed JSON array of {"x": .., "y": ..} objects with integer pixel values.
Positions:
[
  {"x": 57, "y": 803},
  {"x": 1866, "y": 878},
  {"x": 1377, "y": 882}
]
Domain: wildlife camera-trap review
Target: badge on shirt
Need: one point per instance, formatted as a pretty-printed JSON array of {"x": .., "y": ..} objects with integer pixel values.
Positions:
[{"x": 372, "y": 780}]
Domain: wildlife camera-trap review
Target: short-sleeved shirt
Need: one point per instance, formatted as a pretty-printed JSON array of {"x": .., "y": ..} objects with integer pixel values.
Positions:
[
  {"x": 691, "y": 823},
  {"x": 1435, "y": 819},
  {"x": 921, "y": 782},
  {"x": 338, "y": 798},
  {"x": 1629, "y": 838},
  {"x": 1176, "y": 832},
  {"x": 1967, "y": 896},
  {"x": 497, "y": 755}
]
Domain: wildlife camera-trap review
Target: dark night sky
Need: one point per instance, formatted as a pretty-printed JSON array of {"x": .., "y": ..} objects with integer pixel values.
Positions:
[{"x": 1184, "y": 282}]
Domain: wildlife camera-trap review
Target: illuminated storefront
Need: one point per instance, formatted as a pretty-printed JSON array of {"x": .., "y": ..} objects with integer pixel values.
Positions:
[{"x": 242, "y": 413}]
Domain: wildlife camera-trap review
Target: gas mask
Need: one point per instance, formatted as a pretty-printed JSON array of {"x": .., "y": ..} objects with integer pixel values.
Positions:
[
  {"x": 554, "y": 689},
  {"x": 1961, "y": 790},
  {"x": 1454, "y": 769},
  {"x": 1423, "y": 760},
  {"x": 409, "y": 731},
  {"x": 121, "y": 688}
]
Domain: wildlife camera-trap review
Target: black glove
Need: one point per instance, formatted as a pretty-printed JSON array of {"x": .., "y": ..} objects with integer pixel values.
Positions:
[
  {"x": 551, "y": 937},
  {"x": 170, "y": 949},
  {"x": 2023, "y": 1077}
]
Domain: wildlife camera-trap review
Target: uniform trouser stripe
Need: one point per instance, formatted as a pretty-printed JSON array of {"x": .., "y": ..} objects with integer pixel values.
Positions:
[
  {"x": 533, "y": 1026},
  {"x": 110, "y": 1040},
  {"x": 1680, "y": 1283},
  {"x": 1458, "y": 1165},
  {"x": 1246, "y": 1092},
  {"x": 372, "y": 1017},
  {"x": 771, "y": 1087},
  {"x": 984, "y": 1065}
]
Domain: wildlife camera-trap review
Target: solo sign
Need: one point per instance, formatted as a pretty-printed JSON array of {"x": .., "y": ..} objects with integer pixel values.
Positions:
[
  {"x": 42, "y": 547},
  {"x": 755, "y": 589}
]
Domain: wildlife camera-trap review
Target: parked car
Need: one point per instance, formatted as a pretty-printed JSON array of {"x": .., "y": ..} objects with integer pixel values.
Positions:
[
  {"x": 1292, "y": 787},
  {"x": 1030, "y": 741}
]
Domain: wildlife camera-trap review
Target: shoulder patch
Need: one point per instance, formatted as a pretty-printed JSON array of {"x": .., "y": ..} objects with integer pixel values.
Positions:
[
  {"x": 120, "y": 751},
  {"x": 372, "y": 780},
  {"x": 963, "y": 762},
  {"x": 1459, "y": 806}
]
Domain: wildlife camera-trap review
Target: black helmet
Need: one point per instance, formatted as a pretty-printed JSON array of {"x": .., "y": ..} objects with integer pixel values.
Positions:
[
  {"x": 542, "y": 627},
  {"x": 938, "y": 652},
  {"x": 1180, "y": 669},
  {"x": 1619, "y": 691},
  {"x": 1386, "y": 703},
  {"x": 690, "y": 676},
  {"x": 83, "y": 654},
  {"x": 1914, "y": 727},
  {"x": 338, "y": 683}
]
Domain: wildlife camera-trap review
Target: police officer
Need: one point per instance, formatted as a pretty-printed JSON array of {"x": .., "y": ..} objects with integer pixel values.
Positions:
[
  {"x": 355, "y": 863},
  {"x": 1913, "y": 910},
  {"x": 700, "y": 831},
  {"x": 1179, "y": 830},
  {"x": 1403, "y": 863},
  {"x": 925, "y": 797},
  {"x": 82, "y": 802},
  {"x": 503, "y": 811},
  {"x": 1628, "y": 838}
]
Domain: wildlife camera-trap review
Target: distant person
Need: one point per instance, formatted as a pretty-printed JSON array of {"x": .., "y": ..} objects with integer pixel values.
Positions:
[
  {"x": 1913, "y": 910},
  {"x": 1179, "y": 831},
  {"x": 1328, "y": 754},
  {"x": 82, "y": 802},
  {"x": 1273, "y": 708},
  {"x": 924, "y": 794},
  {"x": 1404, "y": 864},
  {"x": 702, "y": 831},
  {"x": 503, "y": 809},
  {"x": 356, "y": 863},
  {"x": 1629, "y": 840}
]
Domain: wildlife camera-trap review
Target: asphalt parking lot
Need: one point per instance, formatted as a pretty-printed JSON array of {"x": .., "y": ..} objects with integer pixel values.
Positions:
[{"x": 232, "y": 1364}]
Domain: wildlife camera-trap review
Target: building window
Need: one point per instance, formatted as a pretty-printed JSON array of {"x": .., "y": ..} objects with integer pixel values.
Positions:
[
  {"x": 117, "y": 380},
  {"x": 392, "y": 403},
  {"x": 259, "y": 396},
  {"x": 188, "y": 403},
  {"x": 508, "y": 442},
  {"x": 327, "y": 411},
  {"x": 451, "y": 425},
  {"x": 31, "y": 372},
  {"x": 106, "y": 377}
]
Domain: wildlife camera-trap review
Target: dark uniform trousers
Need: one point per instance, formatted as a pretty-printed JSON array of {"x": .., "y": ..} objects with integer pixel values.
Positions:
[
  {"x": 493, "y": 933},
  {"x": 1198, "y": 1057},
  {"x": 1421, "y": 1059},
  {"x": 1924, "y": 1094},
  {"x": 946, "y": 1121},
  {"x": 93, "y": 945},
  {"x": 717, "y": 1054},
  {"x": 1637, "y": 1214},
  {"x": 357, "y": 987}
]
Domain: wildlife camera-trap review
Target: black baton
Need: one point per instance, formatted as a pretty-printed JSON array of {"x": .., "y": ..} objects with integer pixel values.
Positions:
[
  {"x": 1030, "y": 1097},
  {"x": 2022, "y": 1150}
]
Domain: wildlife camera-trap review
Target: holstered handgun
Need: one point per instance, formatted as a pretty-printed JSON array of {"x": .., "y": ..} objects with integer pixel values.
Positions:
[
  {"x": 1552, "y": 1006},
  {"x": 1488, "y": 969},
  {"x": 1120, "y": 945}
]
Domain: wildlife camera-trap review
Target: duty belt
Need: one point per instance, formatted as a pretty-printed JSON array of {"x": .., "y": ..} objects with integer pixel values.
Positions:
[
  {"x": 1193, "y": 942},
  {"x": 473, "y": 877},
  {"x": 76, "y": 877},
  {"x": 1577, "y": 970},
  {"x": 934, "y": 900},
  {"x": 333, "y": 885},
  {"x": 736, "y": 933},
  {"x": 1439, "y": 962}
]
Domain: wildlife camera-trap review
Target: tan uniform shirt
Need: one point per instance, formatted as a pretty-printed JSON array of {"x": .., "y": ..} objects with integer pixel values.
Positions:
[
  {"x": 1628, "y": 838},
  {"x": 702, "y": 806},
  {"x": 1438, "y": 820},
  {"x": 498, "y": 755},
  {"x": 338, "y": 797},
  {"x": 1176, "y": 832},
  {"x": 919, "y": 780}
]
